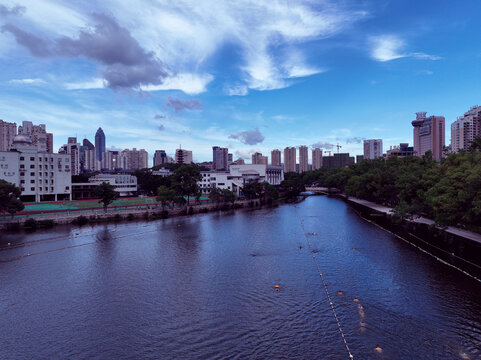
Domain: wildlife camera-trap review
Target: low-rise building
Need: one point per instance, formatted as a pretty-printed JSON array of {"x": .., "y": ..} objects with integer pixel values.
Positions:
[
  {"x": 403, "y": 150},
  {"x": 41, "y": 176},
  {"x": 124, "y": 184}
]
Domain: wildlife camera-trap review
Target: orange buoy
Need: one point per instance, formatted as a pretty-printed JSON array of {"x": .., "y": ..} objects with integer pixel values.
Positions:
[{"x": 277, "y": 287}]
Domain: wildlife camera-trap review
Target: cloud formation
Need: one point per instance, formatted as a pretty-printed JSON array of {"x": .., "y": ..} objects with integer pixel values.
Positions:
[
  {"x": 354, "y": 140},
  {"x": 125, "y": 64},
  {"x": 390, "y": 47},
  {"x": 249, "y": 137},
  {"x": 322, "y": 145},
  {"x": 15, "y": 10},
  {"x": 161, "y": 127},
  {"x": 179, "y": 105},
  {"x": 159, "y": 116}
]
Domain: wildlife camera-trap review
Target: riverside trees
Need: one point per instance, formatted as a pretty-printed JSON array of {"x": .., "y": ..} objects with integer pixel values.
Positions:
[
  {"x": 106, "y": 193},
  {"x": 449, "y": 191},
  {"x": 9, "y": 198}
]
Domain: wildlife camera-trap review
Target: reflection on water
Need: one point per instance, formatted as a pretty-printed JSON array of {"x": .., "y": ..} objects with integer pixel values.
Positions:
[{"x": 205, "y": 287}]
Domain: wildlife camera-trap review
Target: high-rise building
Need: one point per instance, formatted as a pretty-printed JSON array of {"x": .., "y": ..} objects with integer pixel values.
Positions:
[
  {"x": 183, "y": 156},
  {"x": 316, "y": 158},
  {"x": 403, "y": 150},
  {"x": 221, "y": 158},
  {"x": 99, "y": 144},
  {"x": 258, "y": 158},
  {"x": 160, "y": 157},
  {"x": 337, "y": 160},
  {"x": 38, "y": 133},
  {"x": 289, "y": 159},
  {"x": 73, "y": 149},
  {"x": 88, "y": 144},
  {"x": 276, "y": 157},
  {"x": 303, "y": 159},
  {"x": 372, "y": 149},
  {"x": 359, "y": 158},
  {"x": 7, "y": 132},
  {"x": 133, "y": 159},
  {"x": 428, "y": 135},
  {"x": 214, "y": 156},
  {"x": 465, "y": 129}
]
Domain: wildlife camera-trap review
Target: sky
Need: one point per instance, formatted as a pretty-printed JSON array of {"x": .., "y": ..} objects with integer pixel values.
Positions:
[{"x": 250, "y": 75}]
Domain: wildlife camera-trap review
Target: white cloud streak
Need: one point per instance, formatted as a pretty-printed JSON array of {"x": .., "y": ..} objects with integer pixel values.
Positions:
[{"x": 391, "y": 47}]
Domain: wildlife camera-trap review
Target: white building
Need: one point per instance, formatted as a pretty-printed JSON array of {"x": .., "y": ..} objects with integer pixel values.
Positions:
[
  {"x": 239, "y": 175},
  {"x": 276, "y": 157},
  {"x": 39, "y": 136},
  {"x": 303, "y": 159},
  {"x": 465, "y": 129},
  {"x": 372, "y": 149},
  {"x": 41, "y": 176},
  {"x": 124, "y": 184}
]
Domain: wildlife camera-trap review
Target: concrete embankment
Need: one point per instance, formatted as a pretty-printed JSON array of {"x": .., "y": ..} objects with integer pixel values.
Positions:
[
  {"x": 457, "y": 247},
  {"x": 68, "y": 217}
]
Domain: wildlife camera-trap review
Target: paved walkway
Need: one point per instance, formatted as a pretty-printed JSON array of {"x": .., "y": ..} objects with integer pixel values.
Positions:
[{"x": 420, "y": 220}]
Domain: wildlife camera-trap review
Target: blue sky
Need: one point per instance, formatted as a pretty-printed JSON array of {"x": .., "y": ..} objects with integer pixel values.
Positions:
[{"x": 249, "y": 75}]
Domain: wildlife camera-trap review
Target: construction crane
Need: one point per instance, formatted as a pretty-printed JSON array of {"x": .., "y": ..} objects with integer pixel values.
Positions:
[{"x": 336, "y": 145}]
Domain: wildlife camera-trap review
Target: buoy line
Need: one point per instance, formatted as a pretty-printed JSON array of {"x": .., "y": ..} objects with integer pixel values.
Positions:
[
  {"x": 331, "y": 304},
  {"x": 420, "y": 248}
]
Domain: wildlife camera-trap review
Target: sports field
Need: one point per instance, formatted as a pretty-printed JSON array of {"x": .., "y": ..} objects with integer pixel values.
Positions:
[{"x": 90, "y": 204}]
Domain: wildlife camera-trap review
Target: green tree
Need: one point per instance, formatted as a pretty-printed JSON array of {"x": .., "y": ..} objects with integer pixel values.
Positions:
[
  {"x": 185, "y": 180},
  {"x": 253, "y": 190},
  {"x": 165, "y": 195},
  {"x": 292, "y": 185},
  {"x": 228, "y": 196},
  {"x": 106, "y": 193},
  {"x": 215, "y": 195},
  {"x": 9, "y": 198}
]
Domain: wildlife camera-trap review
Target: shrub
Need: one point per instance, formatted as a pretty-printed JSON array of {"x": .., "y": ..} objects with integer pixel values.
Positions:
[
  {"x": 191, "y": 210},
  {"x": 117, "y": 217},
  {"x": 130, "y": 217},
  {"x": 30, "y": 224},
  {"x": 13, "y": 226},
  {"x": 145, "y": 215}
]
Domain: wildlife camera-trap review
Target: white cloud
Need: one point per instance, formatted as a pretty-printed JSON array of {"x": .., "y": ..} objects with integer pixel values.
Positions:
[
  {"x": 35, "y": 81},
  {"x": 238, "y": 90},
  {"x": 387, "y": 48},
  {"x": 191, "y": 84},
  {"x": 89, "y": 84},
  {"x": 390, "y": 47},
  {"x": 185, "y": 34}
]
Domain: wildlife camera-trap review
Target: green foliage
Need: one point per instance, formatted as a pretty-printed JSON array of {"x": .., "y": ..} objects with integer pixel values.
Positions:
[
  {"x": 228, "y": 196},
  {"x": 215, "y": 195},
  {"x": 106, "y": 193},
  {"x": 30, "y": 224},
  {"x": 81, "y": 220},
  {"x": 292, "y": 185},
  {"x": 165, "y": 195},
  {"x": 149, "y": 183},
  {"x": 9, "y": 198},
  {"x": 448, "y": 192},
  {"x": 184, "y": 180}
]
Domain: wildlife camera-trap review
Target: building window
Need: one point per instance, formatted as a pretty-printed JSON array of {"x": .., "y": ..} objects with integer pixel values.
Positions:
[
  {"x": 22, "y": 181},
  {"x": 23, "y": 189},
  {"x": 32, "y": 174},
  {"x": 22, "y": 173},
  {"x": 40, "y": 188},
  {"x": 32, "y": 158},
  {"x": 67, "y": 187},
  {"x": 32, "y": 189},
  {"x": 32, "y": 166},
  {"x": 32, "y": 181},
  {"x": 22, "y": 166},
  {"x": 22, "y": 158}
]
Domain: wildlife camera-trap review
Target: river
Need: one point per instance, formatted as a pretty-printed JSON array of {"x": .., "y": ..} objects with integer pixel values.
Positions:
[{"x": 203, "y": 287}]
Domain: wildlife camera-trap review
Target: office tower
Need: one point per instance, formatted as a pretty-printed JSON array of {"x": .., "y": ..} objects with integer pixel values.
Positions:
[
  {"x": 289, "y": 159},
  {"x": 221, "y": 158},
  {"x": 99, "y": 144},
  {"x": 160, "y": 157},
  {"x": 372, "y": 149},
  {"x": 303, "y": 159},
  {"x": 183, "y": 156},
  {"x": 316, "y": 158},
  {"x": 258, "y": 158},
  {"x": 276, "y": 157},
  {"x": 359, "y": 158},
  {"x": 465, "y": 129},
  {"x": 38, "y": 133},
  {"x": 88, "y": 144},
  {"x": 428, "y": 135},
  {"x": 214, "y": 156},
  {"x": 7, "y": 132}
]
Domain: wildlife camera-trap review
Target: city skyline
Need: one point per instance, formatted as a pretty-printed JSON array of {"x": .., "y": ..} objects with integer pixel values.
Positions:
[{"x": 316, "y": 74}]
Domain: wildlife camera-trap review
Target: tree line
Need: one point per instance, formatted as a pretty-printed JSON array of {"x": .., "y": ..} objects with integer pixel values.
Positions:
[{"x": 449, "y": 191}]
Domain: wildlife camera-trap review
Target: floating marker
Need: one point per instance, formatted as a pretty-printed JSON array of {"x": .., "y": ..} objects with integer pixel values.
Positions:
[
  {"x": 378, "y": 349},
  {"x": 277, "y": 287},
  {"x": 356, "y": 300}
]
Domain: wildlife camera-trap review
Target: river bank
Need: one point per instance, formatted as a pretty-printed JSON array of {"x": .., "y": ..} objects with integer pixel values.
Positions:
[{"x": 457, "y": 247}]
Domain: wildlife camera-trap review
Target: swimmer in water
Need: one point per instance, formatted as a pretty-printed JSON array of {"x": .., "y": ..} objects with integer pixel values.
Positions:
[
  {"x": 340, "y": 293},
  {"x": 378, "y": 348},
  {"x": 356, "y": 300}
]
